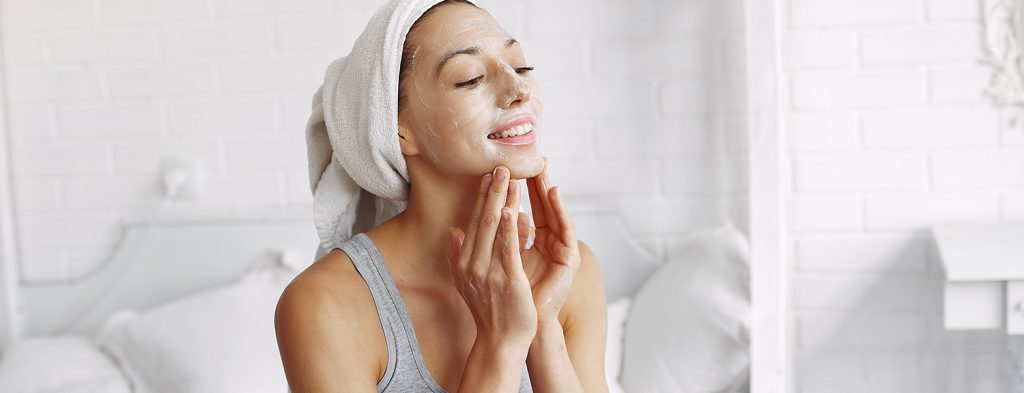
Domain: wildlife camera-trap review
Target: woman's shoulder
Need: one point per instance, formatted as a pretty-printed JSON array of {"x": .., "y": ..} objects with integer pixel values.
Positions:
[
  {"x": 330, "y": 284},
  {"x": 587, "y": 291},
  {"x": 327, "y": 312}
]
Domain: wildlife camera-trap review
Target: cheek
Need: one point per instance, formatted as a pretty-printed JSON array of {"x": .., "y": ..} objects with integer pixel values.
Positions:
[
  {"x": 465, "y": 114},
  {"x": 455, "y": 124},
  {"x": 450, "y": 132},
  {"x": 536, "y": 99}
]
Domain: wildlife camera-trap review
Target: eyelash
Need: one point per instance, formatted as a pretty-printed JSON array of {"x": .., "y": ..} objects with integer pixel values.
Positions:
[{"x": 473, "y": 82}]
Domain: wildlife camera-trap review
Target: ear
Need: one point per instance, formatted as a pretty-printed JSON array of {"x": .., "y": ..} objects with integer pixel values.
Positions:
[{"x": 407, "y": 140}]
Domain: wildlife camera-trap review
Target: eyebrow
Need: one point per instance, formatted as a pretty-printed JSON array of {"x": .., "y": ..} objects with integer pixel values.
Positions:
[{"x": 467, "y": 51}]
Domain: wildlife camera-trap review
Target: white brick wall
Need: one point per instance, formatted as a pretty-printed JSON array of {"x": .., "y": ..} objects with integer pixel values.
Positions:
[
  {"x": 857, "y": 89},
  {"x": 919, "y": 44},
  {"x": 887, "y": 132},
  {"x": 841, "y": 13},
  {"x": 871, "y": 171},
  {"x": 644, "y": 103}
]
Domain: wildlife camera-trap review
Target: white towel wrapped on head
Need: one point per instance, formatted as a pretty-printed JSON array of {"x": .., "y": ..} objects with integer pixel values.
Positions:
[{"x": 356, "y": 169}]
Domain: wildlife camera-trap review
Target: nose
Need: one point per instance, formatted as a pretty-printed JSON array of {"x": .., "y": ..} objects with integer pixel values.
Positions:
[{"x": 517, "y": 90}]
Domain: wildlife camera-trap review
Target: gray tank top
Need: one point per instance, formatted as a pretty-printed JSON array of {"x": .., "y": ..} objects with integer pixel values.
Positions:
[{"x": 406, "y": 372}]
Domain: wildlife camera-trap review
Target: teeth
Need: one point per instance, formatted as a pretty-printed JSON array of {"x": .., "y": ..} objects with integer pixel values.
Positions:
[{"x": 514, "y": 131}]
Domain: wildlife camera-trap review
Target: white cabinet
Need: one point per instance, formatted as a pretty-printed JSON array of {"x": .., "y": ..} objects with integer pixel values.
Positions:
[{"x": 984, "y": 267}]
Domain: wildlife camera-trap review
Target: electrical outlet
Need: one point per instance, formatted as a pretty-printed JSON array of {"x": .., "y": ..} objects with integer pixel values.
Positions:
[{"x": 173, "y": 168}]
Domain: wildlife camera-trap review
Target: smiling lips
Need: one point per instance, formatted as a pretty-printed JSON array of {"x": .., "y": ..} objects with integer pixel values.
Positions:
[{"x": 517, "y": 130}]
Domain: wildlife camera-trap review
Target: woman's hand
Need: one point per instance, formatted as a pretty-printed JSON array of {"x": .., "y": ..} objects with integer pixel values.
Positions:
[
  {"x": 555, "y": 253},
  {"x": 487, "y": 269}
]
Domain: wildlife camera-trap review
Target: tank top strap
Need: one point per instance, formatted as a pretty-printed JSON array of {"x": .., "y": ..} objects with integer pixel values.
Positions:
[
  {"x": 403, "y": 349},
  {"x": 386, "y": 309}
]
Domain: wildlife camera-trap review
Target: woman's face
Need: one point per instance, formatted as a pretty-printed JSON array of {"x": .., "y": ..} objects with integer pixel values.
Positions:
[{"x": 468, "y": 80}]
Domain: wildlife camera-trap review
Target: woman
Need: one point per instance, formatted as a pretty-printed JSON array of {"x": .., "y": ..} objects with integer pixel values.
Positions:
[{"x": 419, "y": 304}]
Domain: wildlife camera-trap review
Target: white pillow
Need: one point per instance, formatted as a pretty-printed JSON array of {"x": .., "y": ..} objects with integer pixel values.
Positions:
[
  {"x": 688, "y": 330},
  {"x": 617, "y": 312},
  {"x": 220, "y": 340},
  {"x": 63, "y": 364}
]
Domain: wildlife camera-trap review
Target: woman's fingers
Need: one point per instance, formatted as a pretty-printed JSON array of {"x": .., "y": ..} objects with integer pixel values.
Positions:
[
  {"x": 490, "y": 215},
  {"x": 508, "y": 242},
  {"x": 515, "y": 204},
  {"x": 538, "y": 187},
  {"x": 543, "y": 190},
  {"x": 478, "y": 207},
  {"x": 514, "y": 238},
  {"x": 511, "y": 200},
  {"x": 536, "y": 206},
  {"x": 568, "y": 228},
  {"x": 524, "y": 230}
]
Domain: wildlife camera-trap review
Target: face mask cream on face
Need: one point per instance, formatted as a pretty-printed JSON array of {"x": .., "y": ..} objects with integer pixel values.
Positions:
[{"x": 472, "y": 103}]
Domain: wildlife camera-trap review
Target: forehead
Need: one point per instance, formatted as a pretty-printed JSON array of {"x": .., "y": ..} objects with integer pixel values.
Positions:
[{"x": 456, "y": 26}]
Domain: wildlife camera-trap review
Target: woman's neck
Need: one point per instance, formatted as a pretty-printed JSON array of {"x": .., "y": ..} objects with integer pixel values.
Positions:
[{"x": 420, "y": 236}]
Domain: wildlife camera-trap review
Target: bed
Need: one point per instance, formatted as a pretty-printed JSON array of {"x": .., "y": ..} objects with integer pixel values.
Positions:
[{"x": 188, "y": 306}]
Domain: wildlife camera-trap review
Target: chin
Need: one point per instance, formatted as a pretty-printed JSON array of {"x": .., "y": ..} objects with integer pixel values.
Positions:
[{"x": 526, "y": 168}]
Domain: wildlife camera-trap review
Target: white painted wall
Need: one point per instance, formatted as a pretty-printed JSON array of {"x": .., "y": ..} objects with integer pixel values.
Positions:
[
  {"x": 9, "y": 322},
  {"x": 645, "y": 106},
  {"x": 887, "y": 131},
  {"x": 771, "y": 370}
]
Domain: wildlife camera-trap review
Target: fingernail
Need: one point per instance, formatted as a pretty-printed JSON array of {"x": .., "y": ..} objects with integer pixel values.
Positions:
[{"x": 500, "y": 175}]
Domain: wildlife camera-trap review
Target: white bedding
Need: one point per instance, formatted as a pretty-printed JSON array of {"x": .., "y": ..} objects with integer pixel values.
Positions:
[
  {"x": 688, "y": 327},
  {"x": 218, "y": 341},
  {"x": 66, "y": 364},
  {"x": 70, "y": 364},
  {"x": 222, "y": 339}
]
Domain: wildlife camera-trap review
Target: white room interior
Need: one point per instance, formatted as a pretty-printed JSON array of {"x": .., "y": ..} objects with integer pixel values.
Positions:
[{"x": 834, "y": 134}]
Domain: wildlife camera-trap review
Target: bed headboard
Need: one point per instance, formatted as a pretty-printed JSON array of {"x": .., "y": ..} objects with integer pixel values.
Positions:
[
  {"x": 153, "y": 265},
  {"x": 625, "y": 264}
]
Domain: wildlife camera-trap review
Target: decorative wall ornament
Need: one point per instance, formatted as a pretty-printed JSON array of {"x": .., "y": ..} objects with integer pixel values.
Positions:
[{"x": 1004, "y": 38}]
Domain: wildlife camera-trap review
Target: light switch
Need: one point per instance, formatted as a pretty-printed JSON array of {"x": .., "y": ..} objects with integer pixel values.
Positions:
[{"x": 1015, "y": 307}]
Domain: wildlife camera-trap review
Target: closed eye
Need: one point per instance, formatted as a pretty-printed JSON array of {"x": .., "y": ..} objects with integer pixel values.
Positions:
[
  {"x": 470, "y": 82},
  {"x": 475, "y": 81}
]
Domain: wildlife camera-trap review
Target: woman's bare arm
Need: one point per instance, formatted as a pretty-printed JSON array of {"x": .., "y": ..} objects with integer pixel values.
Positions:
[
  {"x": 493, "y": 367},
  {"x": 568, "y": 356},
  {"x": 567, "y": 352},
  {"x": 322, "y": 332}
]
